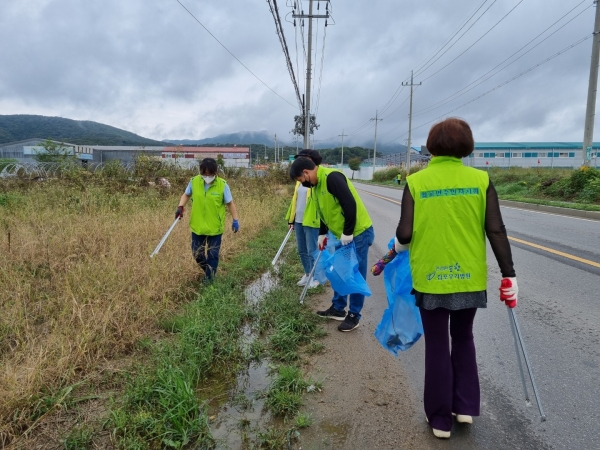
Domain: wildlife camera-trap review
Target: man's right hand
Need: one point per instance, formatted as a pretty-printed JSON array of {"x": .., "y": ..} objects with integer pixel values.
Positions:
[
  {"x": 322, "y": 242},
  {"x": 179, "y": 212},
  {"x": 291, "y": 226}
]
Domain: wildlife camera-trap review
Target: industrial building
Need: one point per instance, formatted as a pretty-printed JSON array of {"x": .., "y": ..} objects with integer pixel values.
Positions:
[
  {"x": 25, "y": 152},
  {"x": 529, "y": 154}
]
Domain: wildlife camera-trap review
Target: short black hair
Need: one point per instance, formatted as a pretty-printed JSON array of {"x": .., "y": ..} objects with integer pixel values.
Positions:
[
  {"x": 208, "y": 166},
  {"x": 312, "y": 154},
  {"x": 451, "y": 137},
  {"x": 299, "y": 166}
]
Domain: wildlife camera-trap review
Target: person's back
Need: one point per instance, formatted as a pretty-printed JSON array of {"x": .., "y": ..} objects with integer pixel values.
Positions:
[{"x": 449, "y": 238}]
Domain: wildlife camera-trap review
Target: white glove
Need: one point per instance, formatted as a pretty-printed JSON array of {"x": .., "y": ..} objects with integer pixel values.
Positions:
[
  {"x": 322, "y": 242},
  {"x": 509, "y": 291},
  {"x": 400, "y": 247},
  {"x": 345, "y": 240}
]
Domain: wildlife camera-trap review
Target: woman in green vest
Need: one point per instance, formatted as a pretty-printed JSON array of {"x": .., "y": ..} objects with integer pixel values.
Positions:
[
  {"x": 342, "y": 212},
  {"x": 210, "y": 195},
  {"x": 447, "y": 212},
  {"x": 303, "y": 218}
]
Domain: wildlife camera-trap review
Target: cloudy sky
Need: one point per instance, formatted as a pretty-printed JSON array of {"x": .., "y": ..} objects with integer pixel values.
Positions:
[{"x": 149, "y": 67}]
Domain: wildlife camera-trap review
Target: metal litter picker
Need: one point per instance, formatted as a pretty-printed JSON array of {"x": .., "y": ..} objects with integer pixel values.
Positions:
[
  {"x": 164, "y": 238},
  {"x": 310, "y": 277},
  {"x": 287, "y": 237},
  {"x": 514, "y": 325}
]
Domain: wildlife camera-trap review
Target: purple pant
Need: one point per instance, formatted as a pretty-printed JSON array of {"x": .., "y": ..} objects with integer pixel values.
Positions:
[{"x": 451, "y": 380}]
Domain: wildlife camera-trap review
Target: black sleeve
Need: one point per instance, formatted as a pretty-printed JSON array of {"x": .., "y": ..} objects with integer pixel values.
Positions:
[
  {"x": 323, "y": 229},
  {"x": 338, "y": 187},
  {"x": 496, "y": 233},
  {"x": 407, "y": 213}
]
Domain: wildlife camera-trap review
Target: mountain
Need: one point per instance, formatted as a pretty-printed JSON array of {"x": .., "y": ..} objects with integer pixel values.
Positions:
[
  {"x": 19, "y": 127},
  {"x": 240, "y": 138},
  {"x": 265, "y": 138}
]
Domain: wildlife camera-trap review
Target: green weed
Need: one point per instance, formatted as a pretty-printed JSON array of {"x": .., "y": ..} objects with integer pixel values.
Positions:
[
  {"x": 303, "y": 420},
  {"x": 80, "y": 438}
]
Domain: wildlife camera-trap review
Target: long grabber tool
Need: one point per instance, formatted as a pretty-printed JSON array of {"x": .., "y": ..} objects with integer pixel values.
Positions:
[
  {"x": 310, "y": 277},
  {"x": 519, "y": 341},
  {"x": 164, "y": 238},
  {"x": 287, "y": 237}
]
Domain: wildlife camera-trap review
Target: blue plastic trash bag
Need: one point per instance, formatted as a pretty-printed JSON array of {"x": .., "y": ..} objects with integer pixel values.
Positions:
[
  {"x": 339, "y": 265},
  {"x": 401, "y": 324}
]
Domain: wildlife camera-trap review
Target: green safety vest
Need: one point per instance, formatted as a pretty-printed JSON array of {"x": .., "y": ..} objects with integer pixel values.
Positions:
[
  {"x": 330, "y": 210},
  {"x": 311, "y": 217},
  {"x": 208, "y": 207},
  {"x": 448, "y": 249}
]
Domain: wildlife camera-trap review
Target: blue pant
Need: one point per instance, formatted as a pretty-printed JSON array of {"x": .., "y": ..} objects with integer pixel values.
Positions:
[
  {"x": 362, "y": 242},
  {"x": 306, "y": 238},
  {"x": 205, "y": 250}
]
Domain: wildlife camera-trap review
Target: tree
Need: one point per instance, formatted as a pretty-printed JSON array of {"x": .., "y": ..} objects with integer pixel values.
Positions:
[
  {"x": 354, "y": 164},
  {"x": 54, "y": 152},
  {"x": 220, "y": 161}
]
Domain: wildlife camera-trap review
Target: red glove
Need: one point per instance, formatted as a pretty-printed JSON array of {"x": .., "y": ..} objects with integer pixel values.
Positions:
[
  {"x": 291, "y": 226},
  {"x": 509, "y": 291},
  {"x": 322, "y": 242},
  {"x": 179, "y": 212}
]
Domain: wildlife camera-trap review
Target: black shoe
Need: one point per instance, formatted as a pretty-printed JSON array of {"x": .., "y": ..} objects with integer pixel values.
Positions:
[
  {"x": 332, "y": 313},
  {"x": 350, "y": 323}
]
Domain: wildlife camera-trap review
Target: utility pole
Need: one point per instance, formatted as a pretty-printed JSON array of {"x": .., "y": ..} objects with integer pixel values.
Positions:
[
  {"x": 275, "y": 149},
  {"x": 342, "y": 135},
  {"x": 310, "y": 17},
  {"x": 375, "y": 141},
  {"x": 588, "y": 135},
  {"x": 409, "y": 120}
]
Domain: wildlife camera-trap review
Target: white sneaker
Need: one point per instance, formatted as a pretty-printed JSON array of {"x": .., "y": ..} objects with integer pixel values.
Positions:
[
  {"x": 303, "y": 280},
  {"x": 313, "y": 284},
  {"x": 463, "y": 418},
  {"x": 439, "y": 433}
]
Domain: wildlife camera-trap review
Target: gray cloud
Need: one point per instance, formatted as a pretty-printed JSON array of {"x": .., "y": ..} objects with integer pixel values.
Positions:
[{"x": 150, "y": 68}]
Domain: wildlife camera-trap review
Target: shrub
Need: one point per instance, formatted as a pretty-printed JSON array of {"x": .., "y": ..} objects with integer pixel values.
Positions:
[{"x": 389, "y": 174}]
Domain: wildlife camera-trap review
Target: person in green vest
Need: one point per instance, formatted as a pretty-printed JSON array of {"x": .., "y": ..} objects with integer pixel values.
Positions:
[
  {"x": 303, "y": 218},
  {"x": 210, "y": 196},
  {"x": 342, "y": 212},
  {"x": 448, "y": 209},
  {"x": 398, "y": 179}
]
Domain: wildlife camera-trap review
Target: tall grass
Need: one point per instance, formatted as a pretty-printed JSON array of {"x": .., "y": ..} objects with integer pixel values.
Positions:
[{"x": 78, "y": 291}]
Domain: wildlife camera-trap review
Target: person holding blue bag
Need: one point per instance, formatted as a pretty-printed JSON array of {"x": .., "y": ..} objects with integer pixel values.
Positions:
[
  {"x": 303, "y": 218},
  {"x": 448, "y": 209},
  {"x": 342, "y": 213}
]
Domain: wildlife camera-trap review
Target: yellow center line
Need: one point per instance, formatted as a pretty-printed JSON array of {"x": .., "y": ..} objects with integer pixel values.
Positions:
[
  {"x": 520, "y": 241},
  {"x": 556, "y": 252},
  {"x": 380, "y": 196}
]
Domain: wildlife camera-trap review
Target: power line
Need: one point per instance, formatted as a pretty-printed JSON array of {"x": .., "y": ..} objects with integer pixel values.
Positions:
[
  {"x": 281, "y": 35},
  {"x": 236, "y": 58},
  {"x": 535, "y": 66},
  {"x": 321, "y": 69},
  {"x": 464, "y": 90},
  {"x": 420, "y": 71},
  {"x": 471, "y": 46},
  {"x": 448, "y": 40}
]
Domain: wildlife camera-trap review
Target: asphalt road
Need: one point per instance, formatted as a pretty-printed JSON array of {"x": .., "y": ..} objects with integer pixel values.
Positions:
[{"x": 559, "y": 315}]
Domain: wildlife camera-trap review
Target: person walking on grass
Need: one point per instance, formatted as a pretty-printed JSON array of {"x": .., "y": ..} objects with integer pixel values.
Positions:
[
  {"x": 209, "y": 194},
  {"x": 447, "y": 212},
  {"x": 342, "y": 212},
  {"x": 303, "y": 218}
]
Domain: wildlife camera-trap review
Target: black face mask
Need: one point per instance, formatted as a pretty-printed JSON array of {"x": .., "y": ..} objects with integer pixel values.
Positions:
[{"x": 306, "y": 184}]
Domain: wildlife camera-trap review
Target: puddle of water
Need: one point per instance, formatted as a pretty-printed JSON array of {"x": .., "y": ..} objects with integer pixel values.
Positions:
[{"x": 239, "y": 410}]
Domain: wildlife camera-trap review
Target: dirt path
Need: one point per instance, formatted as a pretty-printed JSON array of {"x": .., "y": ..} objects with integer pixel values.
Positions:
[{"x": 366, "y": 402}]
